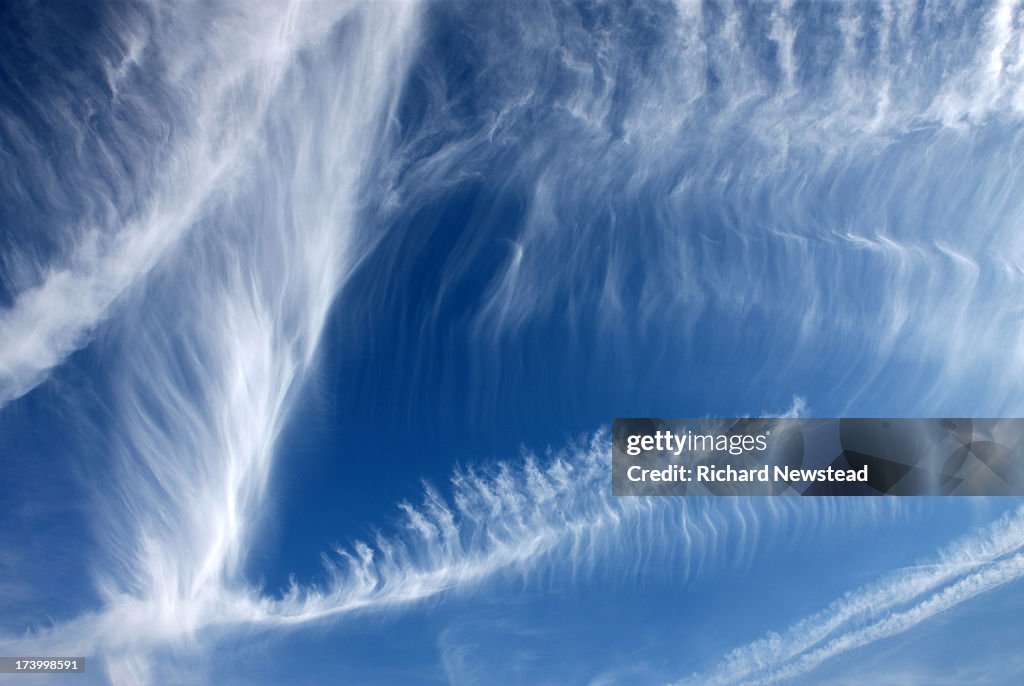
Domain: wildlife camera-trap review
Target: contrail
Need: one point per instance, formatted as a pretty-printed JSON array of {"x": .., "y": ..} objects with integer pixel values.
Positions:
[
  {"x": 978, "y": 563},
  {"x": 990, "y": 577}
]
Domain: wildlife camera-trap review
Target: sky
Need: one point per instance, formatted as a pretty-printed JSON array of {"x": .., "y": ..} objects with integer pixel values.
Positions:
[{"x": 314, "y": 316}]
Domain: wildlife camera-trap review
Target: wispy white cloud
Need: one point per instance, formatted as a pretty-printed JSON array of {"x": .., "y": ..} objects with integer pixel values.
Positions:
[
  {"x": 223, "y": 281},
  {"x": 894, "y": 604},
  {"x": 699, "y": 176},
  {"x": 509, "y": 522},
  {"x": 227, "y": 83}
]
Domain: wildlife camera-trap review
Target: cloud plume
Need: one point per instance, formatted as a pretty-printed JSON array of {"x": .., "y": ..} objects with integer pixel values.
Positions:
[{"x": 693, "y": 188}]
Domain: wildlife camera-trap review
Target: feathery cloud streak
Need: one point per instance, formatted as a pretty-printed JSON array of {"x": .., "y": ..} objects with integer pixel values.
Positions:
[
  {"x": 985, "y": 560},
  {"x": 718, "y": 158}
]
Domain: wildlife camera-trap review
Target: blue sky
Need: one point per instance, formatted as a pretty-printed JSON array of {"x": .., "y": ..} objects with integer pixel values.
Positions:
[{"x": 315, "y": 315}]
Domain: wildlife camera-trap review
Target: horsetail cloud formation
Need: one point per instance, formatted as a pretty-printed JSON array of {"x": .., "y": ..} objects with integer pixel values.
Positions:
[
  {"x": 509, "y": 521},
  {"x": 230, "y": 92},
  {"x": 805, "y": 185}
]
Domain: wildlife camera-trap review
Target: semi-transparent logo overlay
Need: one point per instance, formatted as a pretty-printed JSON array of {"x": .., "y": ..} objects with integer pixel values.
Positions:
[{"x": 817, "y": 456}]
